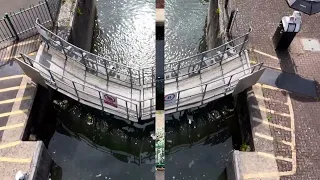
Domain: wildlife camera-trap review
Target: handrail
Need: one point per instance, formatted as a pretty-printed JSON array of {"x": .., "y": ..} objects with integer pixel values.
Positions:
[
  {"x": 144, "y": 76},
  {"x": 136, "y": 110},
  {"x": 54, "y": 79}
]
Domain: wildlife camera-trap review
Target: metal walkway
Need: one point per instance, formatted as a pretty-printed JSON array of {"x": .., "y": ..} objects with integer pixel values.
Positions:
[{"x": 130, "y": 93}]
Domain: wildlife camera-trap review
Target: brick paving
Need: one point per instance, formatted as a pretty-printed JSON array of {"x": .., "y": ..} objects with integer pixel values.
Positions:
[{"x": 263, "y": 16}]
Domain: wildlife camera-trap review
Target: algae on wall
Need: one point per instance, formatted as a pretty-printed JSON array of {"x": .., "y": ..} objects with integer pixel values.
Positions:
[{"x": 213, "y": 27}]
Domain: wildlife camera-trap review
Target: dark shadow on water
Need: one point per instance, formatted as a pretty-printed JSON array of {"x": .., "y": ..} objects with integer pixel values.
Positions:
[{"x": 87, "y": 143}]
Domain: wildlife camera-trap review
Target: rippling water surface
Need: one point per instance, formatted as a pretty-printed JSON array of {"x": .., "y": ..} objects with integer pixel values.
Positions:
[
  {"x": 184, "y": 28},
  {"x": 89, "y": 144},
  {"x": 125, "y": 30}
]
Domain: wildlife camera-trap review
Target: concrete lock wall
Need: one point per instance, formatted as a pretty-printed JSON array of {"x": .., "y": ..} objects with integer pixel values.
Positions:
[
  {"x": 83, "y": 24},
  {"x": 213, "y": 24},
  {"x": 41, "y": 163},
  {"x": 232, "y": 167}
]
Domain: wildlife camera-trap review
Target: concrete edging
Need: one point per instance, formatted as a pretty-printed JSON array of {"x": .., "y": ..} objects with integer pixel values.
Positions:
[{"x": 41, "y": 163}]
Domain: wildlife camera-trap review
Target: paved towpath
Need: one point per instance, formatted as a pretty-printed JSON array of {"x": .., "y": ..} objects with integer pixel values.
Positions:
[{"x": 264, "y": 16}]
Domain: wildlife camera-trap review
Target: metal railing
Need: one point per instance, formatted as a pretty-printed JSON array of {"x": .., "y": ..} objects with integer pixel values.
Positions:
[
  {"x": 145, "y": 109},
  {"x": 108, "y": 69},
  {"x": 20, "y": 25},
  {"x": 84, "y": 93}
]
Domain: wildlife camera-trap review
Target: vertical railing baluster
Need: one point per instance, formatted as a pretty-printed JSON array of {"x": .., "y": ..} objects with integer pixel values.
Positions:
[
  {"x": 139, "y": 73},
  {"x": 253, "y": 68},
  {"x": 15, "y": 34},
  {"x": 178, "y": 100},
  {"x": 24, "y": 60},
  {"x": 127, "y": 110},
  {"x": 140, "y": 109},
  {"x": 261, "y": 64},
  {"x": 76, "y": 90},
  {"x": 49, "y": 12},
  {"x": 152, "y": 80},
  {"x": 52, "y": 77},
  {"x": 64, "y": 52},
  {"x": 222, "y": 58},
  {"x": 178, "y": 71},
  {"x": 230, "y": 80},
  {"x": 200, "y": 65},
  {"x": 150, "y": 108},
  {"x": 246, "y": 37},
  {"x": 137, "y": 113},
  {"x": 143, "y": 76},
  {"x": 204, "y": 93},
  {"x": 101, "y": 101}
]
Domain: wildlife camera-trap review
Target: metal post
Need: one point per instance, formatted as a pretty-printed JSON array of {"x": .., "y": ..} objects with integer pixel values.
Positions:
[
  {"x": 64, "y": 52},
  {"x": 222, "y": 58},
  {"x": 30, "y": 62},
  {"x": 139, "y": 77},
  {"x": 261, "y": 64},
  {"x": 246, "y": 37},
  {"x": 84, "y": 61},
  {"x": 142, "y": 76},
  {"x": 49, "y": 12},
  {"x": 52, "y": 78},
  {"x": 137, "y": 111},
  {"x": 178, "y": 70},
  {"x": 150, "y": 108},
  {"x": 254, "y": 67},
  {"x": 230, "y": 80},
  {"x": 130, "y": 72},
  {"x": 140, "y": 109},
  {"x": 204, "y": 93},
  {"x": 101, "y": 100},
  {"x": 178, "y": 99},
  {"x": 23, "y": 58},
  {"x": 76, "y": 90},
  {"x": 127, "y": 110},
  {"x": 200, "y": 65},
  {"x": 12, "y": 27},
  {"x": 152, "y": 76}
]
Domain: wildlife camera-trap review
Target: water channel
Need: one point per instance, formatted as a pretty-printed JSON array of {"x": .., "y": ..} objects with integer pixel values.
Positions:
[{"x": 90, "y": 144}]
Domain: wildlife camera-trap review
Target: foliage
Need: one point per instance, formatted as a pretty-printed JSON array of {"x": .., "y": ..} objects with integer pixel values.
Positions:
[
  {"x": 218, "y": 11},
  {"x": 79, "y": 12},
  {"x": 244, "y": 147}
]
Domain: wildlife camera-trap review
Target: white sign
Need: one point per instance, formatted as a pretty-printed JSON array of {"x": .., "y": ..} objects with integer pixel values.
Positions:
[
  {"x": 111, "y": 100},
  {"x": 170, "y": 99}
]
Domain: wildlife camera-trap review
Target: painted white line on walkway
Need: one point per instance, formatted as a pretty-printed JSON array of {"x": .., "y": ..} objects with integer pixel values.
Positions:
[
  {"x": 15, "y": 100},
  {"x": 293, "y": 137},
  {"x": 266, "y": 54},
  {"x": 11, "y": 126},
  {"x": 265, "y": 86},
  {"x": 272, "y": 138},
  {"x": 265, "y": 121},
  {"x": 11, "y": 144},
  {"x": 270, "y": 111},
  {"x": 274, "y": 157},
  {"x": 12, "y": 77},
  {"x": 15, "y": 160},
  {"x": 269, "y": 99}
]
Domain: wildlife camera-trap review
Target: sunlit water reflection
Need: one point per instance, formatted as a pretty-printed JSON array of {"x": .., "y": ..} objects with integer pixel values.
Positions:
[{"x": 125, "y": 30}]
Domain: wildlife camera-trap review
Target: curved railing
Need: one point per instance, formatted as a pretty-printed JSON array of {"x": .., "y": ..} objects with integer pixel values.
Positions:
[
  {"x": 130, "y": 108},
  {"x": 106, "y": 68}
]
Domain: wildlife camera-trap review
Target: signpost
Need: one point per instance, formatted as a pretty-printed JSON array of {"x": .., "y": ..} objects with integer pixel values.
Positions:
[{"x": 110, "y": 100}]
